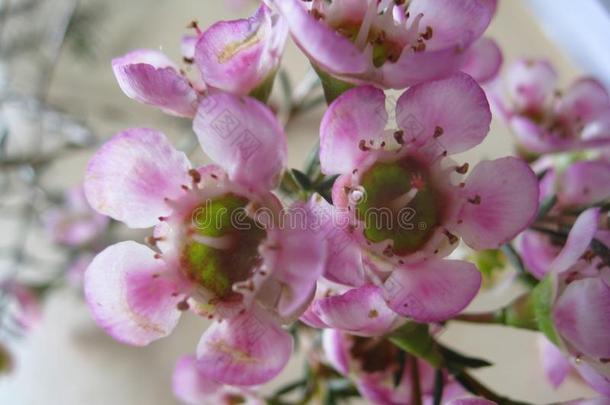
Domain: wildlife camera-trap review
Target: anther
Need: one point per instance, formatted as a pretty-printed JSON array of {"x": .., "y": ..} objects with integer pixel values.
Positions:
[
  {"x": 462, "y": 169},
  {"x": 188, "y": 61},
  {"x": 195, "y": 175},
  {"x": 428, "y": 34},
  {"x": 399, "y": 136},
  {"x": 476, "y": 200},
  {"x": 438, "y": 131},
  {"x": 362, "y": 146},
  {"x": 194, "y": 25},
  {"x": 157, "y": 256},
  {"x": 452, "y": 238},
  {"x": 183, "y": 306}
]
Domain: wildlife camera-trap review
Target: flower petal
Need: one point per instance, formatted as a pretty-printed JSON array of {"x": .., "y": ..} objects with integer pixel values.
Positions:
[
  {"x": 500, "y": 201},
  {"x": 555, "y": 364},
  {"x": 454, "y": 23},
  {"x": 596, "y": 380},
  {"x": 249, "y": 349},
  {"x": 360, "y": 311},
  {"x": 578, "y": 241},
  {"x": 336, "y": 350},
  {"x": 344, "y": 256},
  {"x": 537, "y": 253},
  {"x": 149, "y": 77},
  {"x": 324, "y": 46},
  {"x": 581, "y": 316},
  {"x": 129, "y": 295},
  {"x": 242, "y": 136},
  {"x": 299, "y": 260},
  {"x": 585, "y": 183},
  {"x": 456, "y": 106},
  {"x": 130, "y": 176},
  {"x": 470, "y": 401},
  {"x": 358, "y": 114},
  {"x": 432, "y": 291},
  {"x": 530, "y": 83},
  {"x": 483, "y": 60},
  {"x": 584, "y": 100},
  {"x": 237, "y": 56},
  {"x": 189, "y": 385}
]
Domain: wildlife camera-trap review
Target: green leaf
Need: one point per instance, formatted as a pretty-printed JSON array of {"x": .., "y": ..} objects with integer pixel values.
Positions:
[
  {"x": 302, "y": 179},
  {"x": 263, "y": 91},
  {"x": 415, "y": 338},
  {"x": 439, "y": 385},
  {"x": 458, "y": 361},
  {"x": 519, "y": 314},
  {"x": 543, "y": 298},
  {"x": 332, "y": 86}
]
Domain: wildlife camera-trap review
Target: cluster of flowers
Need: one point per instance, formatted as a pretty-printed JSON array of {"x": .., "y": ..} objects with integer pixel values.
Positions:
[{"x": 226, "y": 245}]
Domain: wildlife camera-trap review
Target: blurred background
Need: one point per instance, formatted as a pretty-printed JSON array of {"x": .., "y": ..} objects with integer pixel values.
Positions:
[{"x": 59, "y": 99}]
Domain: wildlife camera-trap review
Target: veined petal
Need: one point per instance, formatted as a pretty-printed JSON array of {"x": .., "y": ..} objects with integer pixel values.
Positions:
[
  {"x": 299, "y": 260},
  {"x": 582, "y": 317},
  {"x": 344, "y": 256},
  {"x": 433, "y": 290},
  {"x": 454, "y": 23},
  {"x": 537, "y": 253},
  {"x": 189, "y": 385},
  {"x": 483, "y": 60},
  {"x": 555, "y": 364},
  {"x": 596, "y": 380},
  {"x": 131, "y": 295},
  {"x": 360, "y": 311},
  {"x": 237, "y": 56},
  {"x": 242, "y": 136},
  {"x": 358, "y": 115},
  {"x": 129, "y": 177},
  {"x": 585, "y": 183},
  {"x": 578, "y": 241},
  {"x": 453, "y": 113},
  {"x": 248, "y": 349},
  {"x": 584, "y": 100},
  {"x": 336, "y": 350},
  {"x": 327, "y": 48},
  {"x": 149, "y": 77},
  {"x": 500, "y": 200}
]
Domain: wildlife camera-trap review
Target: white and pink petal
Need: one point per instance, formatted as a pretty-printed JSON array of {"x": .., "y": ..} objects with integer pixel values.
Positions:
[
  {"x": 453, "y": 113},
  {"x": 131, "y": 294},
  {"x": 353, "y": 120},
  {"x": 242, "y": 136},
  {"x": 131, "y": 175},
  {"x": 433, "y": 290},
  {"x": 150, "y": 77},
  {"x": 248, "y": 349},
  {"x": 500, "y": 199}
]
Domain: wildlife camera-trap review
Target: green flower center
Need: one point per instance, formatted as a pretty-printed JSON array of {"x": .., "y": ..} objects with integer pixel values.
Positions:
[
  {"x": 222, "y": 248},
  {"x": 399, "y": 203}
]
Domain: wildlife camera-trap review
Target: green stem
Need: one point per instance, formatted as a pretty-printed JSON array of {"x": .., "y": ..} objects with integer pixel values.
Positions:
[{"x": 415, "y": 383}]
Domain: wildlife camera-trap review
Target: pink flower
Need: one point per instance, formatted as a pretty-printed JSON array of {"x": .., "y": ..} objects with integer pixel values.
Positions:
[
  {"x": 400, "y": 205},
  {"x": 220, "y": 248},
  {"x": 238, "y": 56},
  {"x": 579, "y": 185},
  {"x": 75, "y": 223},
  {"x": 373, "y": 363},
  {"x": 193, "y": 387},
  {"x": 544, "y": 120},
  {"x": 578, "y": 300},
  {"x": 387, "y": 44}
]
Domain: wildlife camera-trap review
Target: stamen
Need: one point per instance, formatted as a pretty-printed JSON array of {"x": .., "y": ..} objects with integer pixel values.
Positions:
[
  {"x": 462, "y": 169},
  {"x": 476, "y": 200},
  {"x": 194, "y": 25},
  {"x": 403, "y": 200},
  {"x": 367, "y": 22},
  {"x": 220, "y": 242}
]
